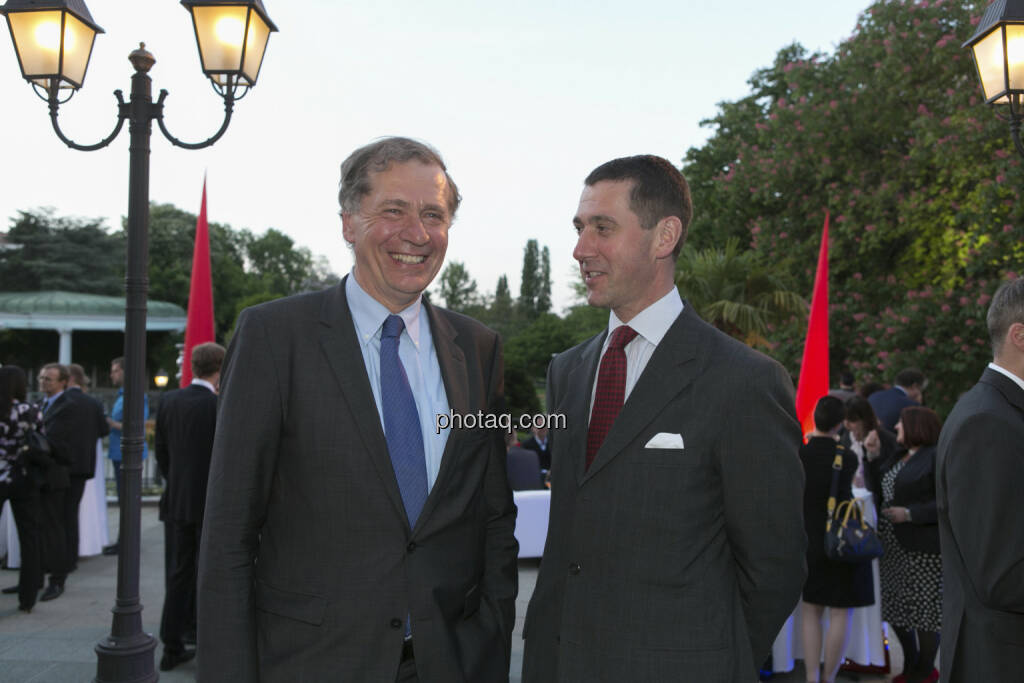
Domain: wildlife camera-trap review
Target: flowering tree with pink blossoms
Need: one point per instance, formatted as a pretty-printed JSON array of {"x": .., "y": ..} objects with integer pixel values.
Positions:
[{"x": 889, "y": 135}]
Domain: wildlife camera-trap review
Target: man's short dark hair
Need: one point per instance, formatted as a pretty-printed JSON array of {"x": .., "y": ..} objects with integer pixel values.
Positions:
[
  {"x": 910, "y": 377},
  {"x": 77, "y": 373},
  {"x": 659, "y": 190},
  {"x": 62, "y": 371},
  {"x": 376, "y": 157},
  {"x": 1007, "y": 308},
  {"x": 828, "y": 413},
  {"x": 207, "y": 359},
  {"x": 119, "y": 362},
  {"x": 846, "y": 378},
  {"x": 921, "y": 426},
  {"x": 858, "y": 409}
]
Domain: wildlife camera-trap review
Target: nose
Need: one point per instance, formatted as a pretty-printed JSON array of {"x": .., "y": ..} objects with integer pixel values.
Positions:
[
  {"x": 415, "y": 231},
  {"x": 584, "y": 245}
]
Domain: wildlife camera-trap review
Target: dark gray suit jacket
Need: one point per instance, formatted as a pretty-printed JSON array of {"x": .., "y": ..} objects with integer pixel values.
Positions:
[
  {"x": 979, "y": 474},
  {"x": 670, "y": 564},
  {"x": 308, "y": 566},
  {"x": 185, "y": 426}
]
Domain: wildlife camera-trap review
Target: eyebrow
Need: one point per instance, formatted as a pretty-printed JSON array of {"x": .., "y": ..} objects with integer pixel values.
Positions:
[{"x": 594, "y": 219}]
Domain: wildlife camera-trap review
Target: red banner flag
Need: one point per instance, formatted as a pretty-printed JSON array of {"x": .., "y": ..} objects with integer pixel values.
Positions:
[
  {"x": 814, "y": 366},
  {"x": 199, "y": 328}
]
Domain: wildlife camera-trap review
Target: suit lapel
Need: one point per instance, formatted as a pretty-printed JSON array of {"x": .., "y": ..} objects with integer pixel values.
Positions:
[
  {"x": 577, "y": 403},
  {"x": 455, "y": 376},
  {"x": 671, "y": 368},
  {"x": 340, "y": 346},
  {"x": 1006, "y": 386}
]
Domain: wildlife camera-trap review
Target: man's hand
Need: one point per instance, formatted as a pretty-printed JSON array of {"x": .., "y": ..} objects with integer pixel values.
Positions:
[
  {"x": 872, "y": 445},
  {"x": 897, "y": 515}
]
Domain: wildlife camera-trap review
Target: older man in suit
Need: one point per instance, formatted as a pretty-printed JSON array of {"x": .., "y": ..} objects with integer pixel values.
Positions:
[
  {"x": 345, "y": 538},
  {"x": 185, "y": 427},
  {"x": 979, "y": 471},
  {"x": 73, "y": 421},
  {"x": 675, "y": 550}
]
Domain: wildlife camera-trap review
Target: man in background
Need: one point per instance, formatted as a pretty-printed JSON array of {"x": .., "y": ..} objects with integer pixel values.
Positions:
[
  {"x": 907, "y": 391},
  {"x": 115, "y": 423},
  {"x": 538, "y": 443},
  {"x": 978, "y": 477},
  {"x": 185, "y": 426}
]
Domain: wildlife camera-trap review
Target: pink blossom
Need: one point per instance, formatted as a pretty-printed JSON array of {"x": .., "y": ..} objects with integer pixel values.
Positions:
[
  {"x": 869, "y": 228},
  {"x": 1007, "y": 228},
  {"x": 946, "y": 308},
  {"x": 891, "y": 330},
  {"x": 1000, "y": 178},
  {"x": 929, "y": 341},
  {"x": 965, "y": 348},
  {"x": 975, "y": 20},
  {"x": 984, "y": 299},
  {"x": 920, "y": 348},
  {"x": 883, "y": 354},
  {"x": 957, "y": 340},
  {"x": 964, "y": 301},
  {"x": 880, "y": 366},
  {"x": 970, "y": 321},
  {"x": 859, "y": 316},
  {"x": 870, "y": 341},
  {"x": 833, "y": 103},
  {"x": 904, "y": 319}
]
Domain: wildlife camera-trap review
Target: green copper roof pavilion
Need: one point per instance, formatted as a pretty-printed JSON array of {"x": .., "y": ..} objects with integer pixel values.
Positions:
[{"x": 69, "y": 311}]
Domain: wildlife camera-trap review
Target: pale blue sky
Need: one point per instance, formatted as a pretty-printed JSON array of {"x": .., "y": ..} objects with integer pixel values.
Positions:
[{"x": 522, "y": 99}]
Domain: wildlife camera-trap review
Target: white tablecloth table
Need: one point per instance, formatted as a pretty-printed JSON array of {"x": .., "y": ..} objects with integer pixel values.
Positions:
[
  {"x": 92, "y": 518},
  {"x": 532, "y": 521},
  {"x": 867, "y": 644}
]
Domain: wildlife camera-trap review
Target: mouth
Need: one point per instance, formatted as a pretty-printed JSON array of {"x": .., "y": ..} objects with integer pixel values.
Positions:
[
  {"x": 590, "y": 276},
  {"x": 408, "y": 259}
]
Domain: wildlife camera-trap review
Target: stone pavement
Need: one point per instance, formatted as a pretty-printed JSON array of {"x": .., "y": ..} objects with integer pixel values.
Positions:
[{"x": 55, "y": 643}]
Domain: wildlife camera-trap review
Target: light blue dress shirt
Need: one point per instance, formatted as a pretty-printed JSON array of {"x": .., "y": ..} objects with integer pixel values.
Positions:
[{"x": 416, "y": 349}]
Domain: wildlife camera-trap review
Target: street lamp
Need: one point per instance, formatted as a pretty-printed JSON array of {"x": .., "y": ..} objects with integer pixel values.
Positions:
[
  {"x": 160, "y": 379},
  {"x": 53, "y": 40},
  {"x": 998, "y": 50}
]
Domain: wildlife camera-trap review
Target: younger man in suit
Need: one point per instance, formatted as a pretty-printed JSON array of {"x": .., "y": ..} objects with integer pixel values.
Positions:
[
  {"x": 185, "y": 427},
  {"x": 675, "y": 549},
  {"x": 978, "y": 476}
]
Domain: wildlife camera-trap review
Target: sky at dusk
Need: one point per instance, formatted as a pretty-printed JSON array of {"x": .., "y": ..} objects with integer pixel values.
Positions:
[{"x": 522, "y": 99}]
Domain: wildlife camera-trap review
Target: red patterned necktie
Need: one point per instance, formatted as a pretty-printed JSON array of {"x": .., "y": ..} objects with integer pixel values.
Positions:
[{"x": 611, "y": 390}]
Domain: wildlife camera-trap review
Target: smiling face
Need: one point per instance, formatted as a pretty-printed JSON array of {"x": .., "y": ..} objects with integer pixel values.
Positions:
[
  {"x": 399, "y": 233},
  {"x": 625, "y": 267}
]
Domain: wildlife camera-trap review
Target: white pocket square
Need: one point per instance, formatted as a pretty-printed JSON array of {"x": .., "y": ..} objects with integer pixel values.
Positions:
[{"x": 665, "y": 440}]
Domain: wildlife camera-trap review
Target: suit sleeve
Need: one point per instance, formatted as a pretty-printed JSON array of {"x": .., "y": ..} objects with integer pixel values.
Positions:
[
  {"x": 983, "y": 475},
  {"x": 763, "y": 481},
  {"x": 501, "y": 574},
  {"x": 160, "y": 440},
  {"x": 242, "y": 465}
]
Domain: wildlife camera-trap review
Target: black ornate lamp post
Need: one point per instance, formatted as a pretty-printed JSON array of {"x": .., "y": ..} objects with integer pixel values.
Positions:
[
  {"x": 998, "y": 50},
  {"x": 53, "y": 40}
]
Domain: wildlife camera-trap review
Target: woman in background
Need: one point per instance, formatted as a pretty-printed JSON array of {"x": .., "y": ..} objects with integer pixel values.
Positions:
[
  {"x": 18, "y": 482},
  {"x": 836, "y": 586},
  {"x": 911, "y": 568}
]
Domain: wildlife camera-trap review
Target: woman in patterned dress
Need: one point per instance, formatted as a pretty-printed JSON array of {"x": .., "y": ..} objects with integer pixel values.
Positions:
[
  {"x": 911, "y": 568},
  {"x": 16, "y": 480}
]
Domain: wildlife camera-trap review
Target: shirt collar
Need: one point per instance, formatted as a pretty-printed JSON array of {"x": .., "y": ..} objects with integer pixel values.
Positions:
[
  {"x": 1002, "y": 370},
  {"x": 653, "y": 322},
  {"x": 53, "y": 398},
  {"x": 204, "y": 383},
  {"x": 368, "y": 314}
]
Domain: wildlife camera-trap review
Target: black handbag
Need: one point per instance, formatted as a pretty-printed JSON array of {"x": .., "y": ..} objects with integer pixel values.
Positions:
[{"x": 848, "y": 537}]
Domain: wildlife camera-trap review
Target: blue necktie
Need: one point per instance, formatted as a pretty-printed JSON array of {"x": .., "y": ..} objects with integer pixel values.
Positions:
[{"x": 401, "y": 422}]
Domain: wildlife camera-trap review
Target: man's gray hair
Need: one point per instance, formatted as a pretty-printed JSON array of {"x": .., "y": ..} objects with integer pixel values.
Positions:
[
  {"x": 1006, "y": 309},
  {"x": 376, "y": 157}
]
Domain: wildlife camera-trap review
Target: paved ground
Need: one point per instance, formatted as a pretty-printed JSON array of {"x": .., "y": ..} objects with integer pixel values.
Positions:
[{"x": 55, "y": 643}]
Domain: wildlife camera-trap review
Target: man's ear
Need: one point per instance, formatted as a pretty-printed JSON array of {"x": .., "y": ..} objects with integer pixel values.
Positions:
[
  {"x": 668, "y": 230},
  {"x": 347, "y": 229},
  {"x": 1016, "y": 336}
]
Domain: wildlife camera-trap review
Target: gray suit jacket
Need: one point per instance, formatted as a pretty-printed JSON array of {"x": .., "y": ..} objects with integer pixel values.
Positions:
[
  {"x": 308, "y": 566},
  {"x": 670, "y": 564},
  {"x": 979, "y": 473}
]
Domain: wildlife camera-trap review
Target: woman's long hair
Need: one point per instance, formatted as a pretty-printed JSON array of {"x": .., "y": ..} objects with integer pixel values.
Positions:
[{"x": 13, "y": 386}]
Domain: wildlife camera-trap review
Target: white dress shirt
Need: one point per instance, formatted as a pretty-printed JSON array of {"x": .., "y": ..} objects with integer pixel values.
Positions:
[
  {"x": 1004, "y": 371},
  {"x": 651, "y": 325}
]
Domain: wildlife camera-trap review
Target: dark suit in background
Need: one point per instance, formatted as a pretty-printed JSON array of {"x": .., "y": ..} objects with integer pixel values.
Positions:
[
  {"x": 543, "y": 452},
  {"x": 668, "y": 564},
  {"x": 887, "y": 405},
  {"x": 185, "y": 427},
  {"x": 73, "y": 423},
  {"x": 980, "y": 472}
]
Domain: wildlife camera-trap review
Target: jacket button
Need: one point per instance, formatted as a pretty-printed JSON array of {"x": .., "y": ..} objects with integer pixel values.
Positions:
[
  {"x": 574, "y": 568},
  {"x": 396, "y": 623},
  {"x": 411, "y": 547}
]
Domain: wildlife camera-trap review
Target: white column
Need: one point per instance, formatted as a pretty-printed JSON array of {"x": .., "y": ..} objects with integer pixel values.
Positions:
[{"x": 64, "y": 355}]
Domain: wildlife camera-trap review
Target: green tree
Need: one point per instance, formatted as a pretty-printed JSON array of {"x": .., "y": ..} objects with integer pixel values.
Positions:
[
  {"x": 50, "y": 252},
  {"x": 529, "y": 284},
  {"x": 458, "y": 289},
  {"x": 544, "y": 292},
  {"x": 888, "y": 134},
  {"x": 736, "y": 291}
]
